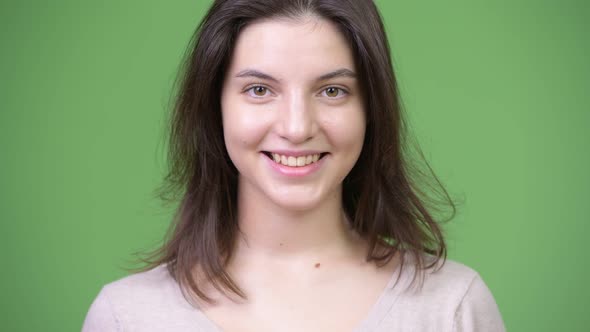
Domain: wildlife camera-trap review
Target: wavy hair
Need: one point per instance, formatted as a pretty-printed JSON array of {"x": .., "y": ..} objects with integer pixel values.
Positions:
[{"x": 384, "y": 196}]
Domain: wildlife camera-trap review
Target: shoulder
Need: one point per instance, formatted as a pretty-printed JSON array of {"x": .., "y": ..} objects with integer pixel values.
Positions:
[
  {"x": 449, "y": 295},
  {"x": 448, "y": 278},
  {"x": 474, "y": 306},
  {"x": 447, "y": 282},
  {"x": 138, "y": 301},
  {"x": 153, "y": 284}
]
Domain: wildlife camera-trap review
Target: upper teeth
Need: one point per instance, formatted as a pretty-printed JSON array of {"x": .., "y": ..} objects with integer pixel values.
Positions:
[{"x": 295, "y": 161}]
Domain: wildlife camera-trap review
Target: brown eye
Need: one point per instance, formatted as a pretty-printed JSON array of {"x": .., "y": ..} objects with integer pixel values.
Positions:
[
  {"x": 259, "y": 91},
  {"x": 333, "y": 92}
]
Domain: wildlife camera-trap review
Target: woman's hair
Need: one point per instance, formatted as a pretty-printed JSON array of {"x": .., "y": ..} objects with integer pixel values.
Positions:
[{"x": 383, "y": 196}]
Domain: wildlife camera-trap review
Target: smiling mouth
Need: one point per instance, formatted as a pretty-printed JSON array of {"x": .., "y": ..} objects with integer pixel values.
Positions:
[{"x": 293, "y": 161}]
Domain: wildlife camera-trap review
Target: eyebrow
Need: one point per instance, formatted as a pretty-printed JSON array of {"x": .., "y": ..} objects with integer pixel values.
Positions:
[
  {"x": 257, "y": 74},
  {"x": 343, "y": 72}
]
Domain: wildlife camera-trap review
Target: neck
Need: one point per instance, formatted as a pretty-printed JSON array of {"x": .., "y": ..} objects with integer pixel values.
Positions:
[{"x": 273, "y": 233}]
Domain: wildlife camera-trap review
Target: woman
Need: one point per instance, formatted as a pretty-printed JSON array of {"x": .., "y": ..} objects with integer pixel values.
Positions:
[{"x": 298, "y": 211}]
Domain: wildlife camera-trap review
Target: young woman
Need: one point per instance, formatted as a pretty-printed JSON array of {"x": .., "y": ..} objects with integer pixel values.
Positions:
[{"x": 298, "y": 207}]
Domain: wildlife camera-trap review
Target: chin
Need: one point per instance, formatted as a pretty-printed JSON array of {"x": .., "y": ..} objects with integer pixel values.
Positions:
[
  {"x": 300, "y": 201},
  {"x": 297, "y": 205}
]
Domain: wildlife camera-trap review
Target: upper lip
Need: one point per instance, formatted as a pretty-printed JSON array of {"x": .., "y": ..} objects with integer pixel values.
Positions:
[{"x": 292, "y": 153}]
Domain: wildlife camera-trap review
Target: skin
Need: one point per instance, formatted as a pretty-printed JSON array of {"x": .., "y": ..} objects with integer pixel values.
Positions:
[{"x": 295, "y": 255}]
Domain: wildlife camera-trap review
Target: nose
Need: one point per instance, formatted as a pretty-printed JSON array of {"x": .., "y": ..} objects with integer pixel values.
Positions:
[{"x": 297, "y": 119}]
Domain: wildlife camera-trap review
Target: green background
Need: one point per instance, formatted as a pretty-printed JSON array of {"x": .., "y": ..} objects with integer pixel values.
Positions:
[{"x": 496, "y": 91}]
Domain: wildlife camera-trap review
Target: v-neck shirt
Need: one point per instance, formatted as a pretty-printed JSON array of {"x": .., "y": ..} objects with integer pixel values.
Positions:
[{"x": 452, "y": 297}]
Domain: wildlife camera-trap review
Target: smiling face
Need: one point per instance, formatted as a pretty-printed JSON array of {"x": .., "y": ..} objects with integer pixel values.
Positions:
[{"x": 292, "y": 112}]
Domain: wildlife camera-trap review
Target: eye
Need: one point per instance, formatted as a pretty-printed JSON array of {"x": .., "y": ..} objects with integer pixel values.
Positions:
[
  {"x": 333, "y": 92},
  {"x": 257, "y": 91}
]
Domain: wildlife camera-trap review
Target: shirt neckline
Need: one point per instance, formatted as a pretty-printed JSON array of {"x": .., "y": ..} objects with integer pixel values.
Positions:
[
  {"x": 372, "y": 319},
  {"x": 386, "y": 299}
]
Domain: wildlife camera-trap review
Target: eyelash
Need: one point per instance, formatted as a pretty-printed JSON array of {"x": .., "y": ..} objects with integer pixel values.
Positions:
[{"x": 249, "y": 90}]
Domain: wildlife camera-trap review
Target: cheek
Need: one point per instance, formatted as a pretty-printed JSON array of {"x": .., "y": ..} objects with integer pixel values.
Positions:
[
  {"x": 242, "y": 126},
  {"x": 347, "y": 131}
]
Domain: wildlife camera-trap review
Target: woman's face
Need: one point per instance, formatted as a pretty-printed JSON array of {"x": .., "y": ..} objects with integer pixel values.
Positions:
[{"x": 292, "y": 110}]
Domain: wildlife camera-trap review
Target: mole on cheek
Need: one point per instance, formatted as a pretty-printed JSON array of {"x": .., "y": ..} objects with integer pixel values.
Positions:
[{"x": 317, "y": 265}]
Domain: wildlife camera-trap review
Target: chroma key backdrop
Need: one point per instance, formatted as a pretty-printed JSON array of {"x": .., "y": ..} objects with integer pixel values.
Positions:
[{"x": 496, "y": 92}]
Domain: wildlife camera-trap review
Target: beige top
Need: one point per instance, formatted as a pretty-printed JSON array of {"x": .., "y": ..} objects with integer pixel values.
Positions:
[{"x": 453, "y": 298}]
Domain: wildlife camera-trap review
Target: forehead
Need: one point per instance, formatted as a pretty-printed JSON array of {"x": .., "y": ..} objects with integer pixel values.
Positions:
[{"x": 291, "y": 48}]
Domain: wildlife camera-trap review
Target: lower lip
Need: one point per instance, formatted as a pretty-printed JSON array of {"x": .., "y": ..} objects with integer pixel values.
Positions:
[{"x": 294, "y": 171}]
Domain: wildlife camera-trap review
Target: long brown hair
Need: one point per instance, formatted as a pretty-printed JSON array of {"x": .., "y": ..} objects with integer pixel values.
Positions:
[{"x": 383, "y": 196}]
